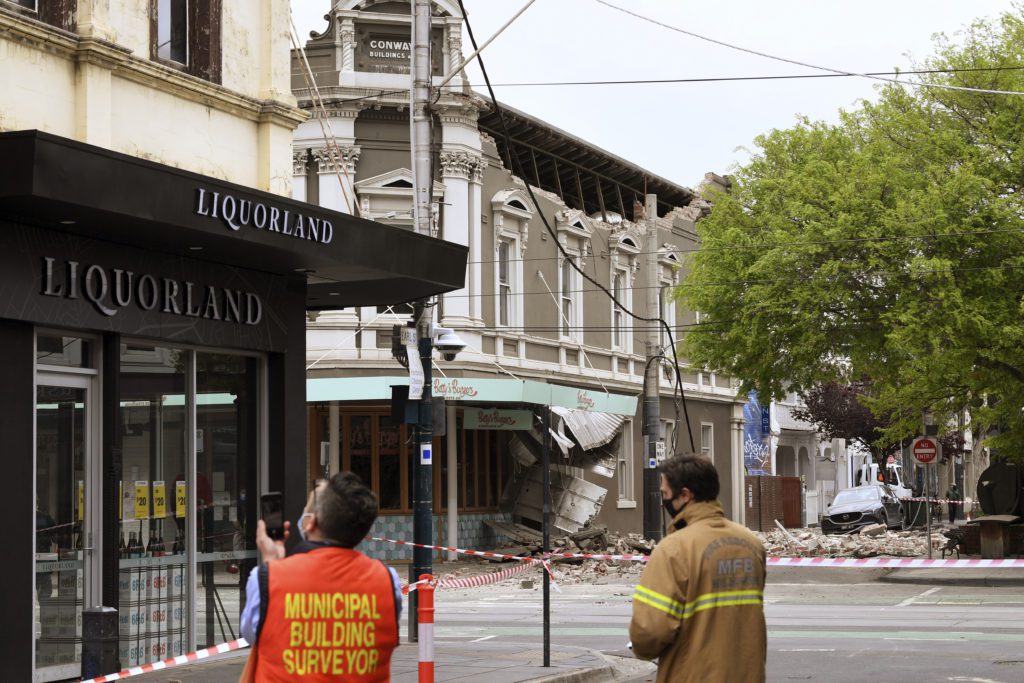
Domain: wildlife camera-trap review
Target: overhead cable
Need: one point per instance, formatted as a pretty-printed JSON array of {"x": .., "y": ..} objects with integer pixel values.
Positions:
[{"x": 842, "y": 72}]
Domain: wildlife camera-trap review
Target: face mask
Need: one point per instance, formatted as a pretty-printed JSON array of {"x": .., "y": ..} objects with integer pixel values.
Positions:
[
  {"x": 302, "y": 530},
  {"x": 670, "y": 507}
]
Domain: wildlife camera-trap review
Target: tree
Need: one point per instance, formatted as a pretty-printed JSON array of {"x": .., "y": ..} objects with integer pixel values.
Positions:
[
  {"x": 889, "y": 245},
  {"x": 838, "y": 413}
]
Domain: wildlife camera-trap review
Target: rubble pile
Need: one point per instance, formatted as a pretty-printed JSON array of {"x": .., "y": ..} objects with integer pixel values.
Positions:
[{"x": 872, "y": 541}]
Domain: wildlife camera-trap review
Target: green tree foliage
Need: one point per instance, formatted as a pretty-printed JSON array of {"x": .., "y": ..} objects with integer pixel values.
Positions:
[{"x": 889, "y": 245}]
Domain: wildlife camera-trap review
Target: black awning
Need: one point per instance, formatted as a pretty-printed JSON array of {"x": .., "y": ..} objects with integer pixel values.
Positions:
[{"x": 61, "y": 184}]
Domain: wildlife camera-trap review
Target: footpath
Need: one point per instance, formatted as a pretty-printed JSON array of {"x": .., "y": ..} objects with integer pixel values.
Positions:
[
  {"x": 491, "y": 662},
  {"x": 508, "y": 662}
]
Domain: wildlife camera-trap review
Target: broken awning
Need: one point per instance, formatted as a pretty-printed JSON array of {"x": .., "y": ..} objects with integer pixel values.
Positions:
[
  {"x": 591, "y": 429},
  {"x": 475, "y": 390}
]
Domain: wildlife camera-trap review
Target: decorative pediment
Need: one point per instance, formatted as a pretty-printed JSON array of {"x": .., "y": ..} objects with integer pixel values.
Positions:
[
  {"x": 511, "y": 214},
  {"x": 393, "y": 183},
  {"x": 575, "y": 223}
]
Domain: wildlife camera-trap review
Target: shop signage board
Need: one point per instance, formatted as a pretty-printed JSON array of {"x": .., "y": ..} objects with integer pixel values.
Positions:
[{"x": 498, "y": 418}]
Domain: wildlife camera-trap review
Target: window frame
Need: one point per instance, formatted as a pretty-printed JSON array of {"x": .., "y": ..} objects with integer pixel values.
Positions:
[
  {"x": 625, "y": 467},
  {"x": 505, "y": 310},
  {"x": 707, "y": 449},
  {"x": 622, "y": 330},
  {"x": 569, "y": 284},
  {"x": 203, "y": 28}
]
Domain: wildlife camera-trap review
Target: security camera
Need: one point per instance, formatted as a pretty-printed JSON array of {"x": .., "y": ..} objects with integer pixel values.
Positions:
[{"x": 447, "y": 342}]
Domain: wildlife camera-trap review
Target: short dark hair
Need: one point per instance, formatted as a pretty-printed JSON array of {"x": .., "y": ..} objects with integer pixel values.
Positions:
[
  {"x": 694, "y": 472},
  {"x": 345, "y": 509}
]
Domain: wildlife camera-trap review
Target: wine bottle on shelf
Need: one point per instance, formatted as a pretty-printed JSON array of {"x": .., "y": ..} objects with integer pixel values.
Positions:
[{"x": 123, "y": 548}]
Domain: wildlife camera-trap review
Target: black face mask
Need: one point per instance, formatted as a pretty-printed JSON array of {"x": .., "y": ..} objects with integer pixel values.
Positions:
[{"x": 670, "y": 507}]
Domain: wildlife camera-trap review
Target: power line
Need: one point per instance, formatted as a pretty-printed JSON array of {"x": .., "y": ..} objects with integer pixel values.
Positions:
[
  {"x": 731, "y": 46},
  {"x": 716, "y": 79},
  {"x": 783, "y": 245},
  {"x": 533, "y": 198}
]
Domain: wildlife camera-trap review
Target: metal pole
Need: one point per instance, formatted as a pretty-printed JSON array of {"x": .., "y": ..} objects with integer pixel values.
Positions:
[
  {"x": 419, "y": 131},
  {"x": 545, "y": 464},
  {"x": 423, "y": 473},
  {"x": 928, "y": 505},
  {"x": 652, "y": 380}
]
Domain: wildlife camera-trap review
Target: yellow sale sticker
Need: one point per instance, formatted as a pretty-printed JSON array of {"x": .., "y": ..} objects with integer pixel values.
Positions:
[
  {"x": 159, "y": 500},
  {"x": 141, "y": 499},
  {"x": 179, "y": 499},
  {"x": 81, "y": 500}
]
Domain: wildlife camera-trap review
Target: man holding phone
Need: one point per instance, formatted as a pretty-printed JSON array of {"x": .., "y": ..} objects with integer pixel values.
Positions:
[{"x": 326, "y": 612}]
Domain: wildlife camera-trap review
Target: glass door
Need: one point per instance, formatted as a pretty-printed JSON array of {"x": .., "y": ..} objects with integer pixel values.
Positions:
[{"x": 67, "y": 497}]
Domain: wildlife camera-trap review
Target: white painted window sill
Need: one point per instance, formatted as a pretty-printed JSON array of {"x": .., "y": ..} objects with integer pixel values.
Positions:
[{"x": 625, "y": 504}]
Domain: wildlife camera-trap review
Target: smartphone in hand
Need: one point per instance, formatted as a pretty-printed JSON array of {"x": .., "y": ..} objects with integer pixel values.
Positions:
[{"x": 272, "y": 512}]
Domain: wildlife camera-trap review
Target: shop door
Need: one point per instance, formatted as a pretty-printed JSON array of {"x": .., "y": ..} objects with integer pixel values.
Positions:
[{"x": 67, "y": 524}]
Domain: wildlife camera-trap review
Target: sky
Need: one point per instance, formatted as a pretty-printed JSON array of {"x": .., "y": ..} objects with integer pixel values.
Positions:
[{"x": 680, "y": 131}]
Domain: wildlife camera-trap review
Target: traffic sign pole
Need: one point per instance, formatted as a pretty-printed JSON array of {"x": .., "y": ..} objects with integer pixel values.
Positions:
[
  {"x": 928, "y": 506},
  {"x": 926, "y": 450}
]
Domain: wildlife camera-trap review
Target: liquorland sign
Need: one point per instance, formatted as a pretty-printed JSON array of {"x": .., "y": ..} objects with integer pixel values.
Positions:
[
  {"x": 110, "y": 290},
  {"x": 236, "y": 213}
]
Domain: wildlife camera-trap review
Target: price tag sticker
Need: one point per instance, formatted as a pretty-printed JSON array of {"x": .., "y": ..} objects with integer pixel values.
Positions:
[
  {"x": 141, "y": 499},
  {"x": 81, "y": 500},
  {"x": 179, "y": 499},
  {"x": 159, "y": 500}
]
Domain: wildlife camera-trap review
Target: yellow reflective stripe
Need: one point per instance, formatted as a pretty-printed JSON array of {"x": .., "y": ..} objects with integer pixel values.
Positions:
[
  {"x": 724, "y": 599},
  {"x": 654, "y": 599}
]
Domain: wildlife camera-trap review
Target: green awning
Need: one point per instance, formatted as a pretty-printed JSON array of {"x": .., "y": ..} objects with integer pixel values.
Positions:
[{"x": 474, "y": 390}]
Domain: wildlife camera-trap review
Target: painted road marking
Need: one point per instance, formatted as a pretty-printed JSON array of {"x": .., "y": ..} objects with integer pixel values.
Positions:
[{"x": 910, "y": 601}]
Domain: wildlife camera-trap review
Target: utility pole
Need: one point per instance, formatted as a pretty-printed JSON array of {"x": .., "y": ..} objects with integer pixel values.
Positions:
[
  {"x": 655, "y": 447},
  {"x": 423, "y": 475}
]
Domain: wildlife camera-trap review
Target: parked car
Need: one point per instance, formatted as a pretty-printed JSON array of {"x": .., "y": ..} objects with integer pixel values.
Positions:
[{"x": 862, "y": 506}]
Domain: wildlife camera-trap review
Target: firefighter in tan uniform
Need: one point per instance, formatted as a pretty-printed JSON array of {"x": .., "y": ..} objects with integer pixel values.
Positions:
[{"x": 699, "y": 606}]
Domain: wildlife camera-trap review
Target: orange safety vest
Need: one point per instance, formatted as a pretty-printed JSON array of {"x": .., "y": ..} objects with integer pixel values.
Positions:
[{"x": 330, "y": 616}]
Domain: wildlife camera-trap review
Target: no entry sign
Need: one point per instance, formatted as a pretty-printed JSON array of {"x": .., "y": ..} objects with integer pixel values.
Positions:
[{"x": 925, "y": 449}]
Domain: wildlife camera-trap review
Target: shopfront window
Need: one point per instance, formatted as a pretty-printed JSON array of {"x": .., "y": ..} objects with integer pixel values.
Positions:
[
  {"x": 173, "y": 506},
  {"x": 227, "y": 455},
  {"x": 154, "y": 598},
  {"x": 60, "y": 513}
]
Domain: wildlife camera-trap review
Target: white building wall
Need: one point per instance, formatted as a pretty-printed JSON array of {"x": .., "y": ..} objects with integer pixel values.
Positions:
[{"x": 109, "y": 93}]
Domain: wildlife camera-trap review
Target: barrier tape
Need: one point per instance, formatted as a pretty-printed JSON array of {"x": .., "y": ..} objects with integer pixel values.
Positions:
[
  {"x": 480, "y": 553},
  {"x": 484, "y": 553},
  {"x": 174, "y": 661},
  {"x": 896, "y": 562},
  {"x": 482, "y": 579},
  {"x": 880, "y": 562},
  {"x": 934, "y": 500}
]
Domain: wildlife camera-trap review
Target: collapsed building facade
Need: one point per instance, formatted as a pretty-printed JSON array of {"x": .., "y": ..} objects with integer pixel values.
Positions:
[{"x": 539, "y": 335}]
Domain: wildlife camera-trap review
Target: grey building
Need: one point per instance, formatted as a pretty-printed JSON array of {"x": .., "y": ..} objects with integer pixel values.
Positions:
[{"x": 539, "y": 333}]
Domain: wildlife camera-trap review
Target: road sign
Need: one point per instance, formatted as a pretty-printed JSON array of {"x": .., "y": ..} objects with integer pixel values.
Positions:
[{"x": 925, "y": 449}]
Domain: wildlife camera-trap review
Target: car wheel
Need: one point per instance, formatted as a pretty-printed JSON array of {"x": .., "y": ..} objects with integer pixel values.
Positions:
[{"x": 885, "y": 520}]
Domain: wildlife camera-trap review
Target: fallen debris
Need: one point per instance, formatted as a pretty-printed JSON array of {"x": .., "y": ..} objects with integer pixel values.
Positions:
[{"x": 872, "y": 541}]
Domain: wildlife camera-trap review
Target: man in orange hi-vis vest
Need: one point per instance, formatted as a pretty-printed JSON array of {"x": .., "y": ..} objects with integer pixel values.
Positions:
[{"x": 326, "y": 612}]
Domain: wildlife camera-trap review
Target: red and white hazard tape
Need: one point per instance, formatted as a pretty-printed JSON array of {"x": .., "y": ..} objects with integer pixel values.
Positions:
[
  {"x": 480, "y": 553},
  {"x": 934, "y": 500},
  {"x": 484, "y": 553},
  {"x": 175, "y": 661},
  {"x": 483, "y": 579},
  {"x": 591, "y": 556},
  {"x": 897, "y": 562}
]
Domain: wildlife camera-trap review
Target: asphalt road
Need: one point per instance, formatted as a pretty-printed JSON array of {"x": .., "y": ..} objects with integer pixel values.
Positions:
[{"x": 835, "y": 625}]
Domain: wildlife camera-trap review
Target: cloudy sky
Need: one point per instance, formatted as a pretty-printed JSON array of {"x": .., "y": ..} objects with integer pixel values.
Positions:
[{"x": 679, "y": 131}]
